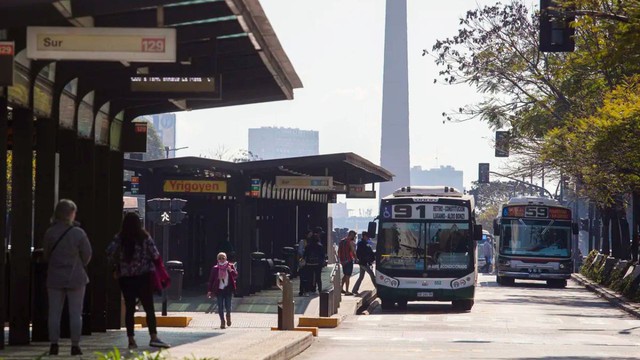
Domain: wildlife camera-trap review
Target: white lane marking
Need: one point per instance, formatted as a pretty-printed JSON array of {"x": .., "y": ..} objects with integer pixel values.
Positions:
[
  {"x": 415, "y": 318},
  {"x": 592, "y": 321},
  {"x": 370, "y": 318}
]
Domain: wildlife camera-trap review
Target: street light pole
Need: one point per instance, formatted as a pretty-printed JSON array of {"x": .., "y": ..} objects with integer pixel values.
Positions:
[
  {"x": 167, "y": 149},
  {"x": 523, "y": 182}
]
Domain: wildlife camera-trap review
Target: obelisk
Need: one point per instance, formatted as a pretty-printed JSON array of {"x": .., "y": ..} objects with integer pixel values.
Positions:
[{"x": 394, "y": 149}]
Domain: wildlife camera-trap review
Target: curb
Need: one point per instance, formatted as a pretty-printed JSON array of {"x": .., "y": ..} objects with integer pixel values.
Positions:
[
  {"x": 291, "y": 350},
  {"x": 611, "y": 296},
  {"x": 372, "y": 306}
]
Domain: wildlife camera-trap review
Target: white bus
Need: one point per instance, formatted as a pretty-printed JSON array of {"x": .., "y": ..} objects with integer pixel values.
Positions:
[
  {"x": 534, "y": 241},
  {"x": 426, "y": 247}
]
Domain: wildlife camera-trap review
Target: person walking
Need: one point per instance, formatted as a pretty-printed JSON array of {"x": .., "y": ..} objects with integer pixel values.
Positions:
[
  {"x": 366, "y": 257},
  {"x": 134, "y": 254},
  {"x": 302, "y": 269},
  {"x": 222, "y": 284},
  {"x": 67, "y": 251},
  {"x": 487, "y": 250},
  {"x": 347, "y": 256},
  {"x": 314, "y": 262}
]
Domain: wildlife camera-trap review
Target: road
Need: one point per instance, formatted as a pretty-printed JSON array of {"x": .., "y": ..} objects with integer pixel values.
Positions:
[{"x": 527, "y": 321}]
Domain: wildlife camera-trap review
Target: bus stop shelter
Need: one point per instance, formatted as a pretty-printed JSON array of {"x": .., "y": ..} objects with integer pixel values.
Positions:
[
  {"x": 243, "y": 203},
  {"x": 73, "y": 76}
]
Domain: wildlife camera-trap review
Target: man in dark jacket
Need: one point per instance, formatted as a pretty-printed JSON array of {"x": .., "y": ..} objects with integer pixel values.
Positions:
[
  {"x": 366, "y": 257},
  {"x": 314, "y": 259}
]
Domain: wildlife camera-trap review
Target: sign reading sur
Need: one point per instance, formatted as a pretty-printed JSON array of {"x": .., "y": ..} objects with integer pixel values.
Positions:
[
  {"x": 102, "y": 44},
  {"x": 195, "y": 186}
]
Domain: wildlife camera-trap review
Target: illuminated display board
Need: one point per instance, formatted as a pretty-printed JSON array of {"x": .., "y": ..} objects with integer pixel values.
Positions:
[
  {"x": 196, "y": 85},
  {"x": 425, "y": 212},
  {"x": 538, "y": 212}
]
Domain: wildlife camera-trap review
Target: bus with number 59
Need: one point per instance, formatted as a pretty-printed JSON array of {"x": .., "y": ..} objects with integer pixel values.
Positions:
[
  {"x": 534, "y": 241},
  {"x": 426, "y": 247}
]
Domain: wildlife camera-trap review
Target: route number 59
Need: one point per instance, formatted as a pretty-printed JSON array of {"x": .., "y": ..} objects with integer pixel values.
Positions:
[{"x": 534, "y": 211}]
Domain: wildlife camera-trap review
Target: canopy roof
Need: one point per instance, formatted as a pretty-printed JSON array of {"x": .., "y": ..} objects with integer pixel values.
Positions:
[{"x": 232, "y": 38}]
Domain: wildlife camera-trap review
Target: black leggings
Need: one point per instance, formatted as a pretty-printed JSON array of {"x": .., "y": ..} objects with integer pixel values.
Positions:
[{"x": 138, "y": 287}]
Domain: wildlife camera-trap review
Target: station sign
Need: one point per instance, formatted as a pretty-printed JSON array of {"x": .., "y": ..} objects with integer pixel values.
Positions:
[
  {"x": 101, "y": 44},
  {"x": 359, "y": 192},
  {"x": 7, "y": 52},
  {"x": 255, "y": 187},
  {"x": 305, "y": 182},
  {"x": 537, "y": 212},
  {"x": 195, "y": 186}
]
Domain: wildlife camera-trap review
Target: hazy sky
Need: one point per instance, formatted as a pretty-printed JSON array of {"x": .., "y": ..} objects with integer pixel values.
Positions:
[{"x": 336, "y": 47}]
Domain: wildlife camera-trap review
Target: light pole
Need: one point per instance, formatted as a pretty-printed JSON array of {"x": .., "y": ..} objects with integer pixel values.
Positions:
[{"x": 167, "y": 149}]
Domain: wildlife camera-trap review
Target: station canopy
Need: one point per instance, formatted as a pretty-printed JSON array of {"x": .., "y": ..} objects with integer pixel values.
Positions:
[{"x": 231, "y": 40}]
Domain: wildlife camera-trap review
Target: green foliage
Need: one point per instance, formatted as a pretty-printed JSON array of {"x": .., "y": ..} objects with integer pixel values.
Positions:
[{"x": 115, "y": 354}]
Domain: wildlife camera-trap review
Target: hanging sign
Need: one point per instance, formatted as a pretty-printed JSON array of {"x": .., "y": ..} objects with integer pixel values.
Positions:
[{"x": 7, "y": 51}]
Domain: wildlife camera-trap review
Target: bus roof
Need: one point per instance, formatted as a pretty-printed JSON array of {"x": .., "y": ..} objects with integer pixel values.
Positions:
[
  {"x": 416, "y": 191},
  {"x": 530, "y": 200}
]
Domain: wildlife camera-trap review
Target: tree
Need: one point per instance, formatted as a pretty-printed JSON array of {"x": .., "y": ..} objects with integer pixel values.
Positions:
[
  {"x": 245, "y": 156},
  {"x": 489, "y": 197},
  {"x": 155, "y": 147}
]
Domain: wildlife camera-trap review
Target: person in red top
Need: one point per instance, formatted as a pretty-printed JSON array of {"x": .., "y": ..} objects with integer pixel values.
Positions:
[
  {"x": 222, "y": 284},
  {"x": 347, "y": 256}
]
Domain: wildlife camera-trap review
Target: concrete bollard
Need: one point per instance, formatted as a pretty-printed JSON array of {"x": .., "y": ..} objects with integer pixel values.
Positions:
[{"x": 286, "y": 306}]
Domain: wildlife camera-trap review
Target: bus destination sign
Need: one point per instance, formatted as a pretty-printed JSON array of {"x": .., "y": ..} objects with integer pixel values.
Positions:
[
  {"x": 174, "y": 84},
  {"x": 537, "y": 212},
  {"x": 426, "y": 212}
]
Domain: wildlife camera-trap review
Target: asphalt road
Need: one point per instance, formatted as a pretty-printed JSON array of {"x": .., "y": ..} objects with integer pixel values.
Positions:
[{"x": 526, "y": 321}]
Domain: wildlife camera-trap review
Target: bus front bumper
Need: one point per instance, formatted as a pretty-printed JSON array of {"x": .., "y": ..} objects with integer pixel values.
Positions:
[{"x": 425, "y": 294}]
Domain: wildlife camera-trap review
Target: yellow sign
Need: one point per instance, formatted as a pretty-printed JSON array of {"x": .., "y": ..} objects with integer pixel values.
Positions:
[{"x": 195, "y": 186}]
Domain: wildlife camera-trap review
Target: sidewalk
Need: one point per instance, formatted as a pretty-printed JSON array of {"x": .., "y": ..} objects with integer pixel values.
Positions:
[
  {"x": 249, "y": 337},
  {"x": 608, "y": 294}
]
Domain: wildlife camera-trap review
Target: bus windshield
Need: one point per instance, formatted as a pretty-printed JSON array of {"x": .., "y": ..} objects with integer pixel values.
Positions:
[
  {"x": 548, "y": 238},
  {"x": 425, "y": 246}
]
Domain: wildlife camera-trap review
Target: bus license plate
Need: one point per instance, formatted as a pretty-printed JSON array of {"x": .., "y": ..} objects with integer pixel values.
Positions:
[
  {"x": 425, "y": 294},
  {"x": 534, "y": 275}
]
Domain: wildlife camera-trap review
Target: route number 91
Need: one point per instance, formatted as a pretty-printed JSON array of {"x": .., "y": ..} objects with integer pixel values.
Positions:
[{"x": 534, "y": 211}]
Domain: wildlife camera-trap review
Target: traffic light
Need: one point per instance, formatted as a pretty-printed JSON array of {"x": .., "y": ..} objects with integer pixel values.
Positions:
[
  {"x": 502, "y": 144},
  {"x": 483, "y": 173},
  {"x": 177, "y": 215},
  {"x": 159, "y": 204},
  {"x": 556, "y": 32}
]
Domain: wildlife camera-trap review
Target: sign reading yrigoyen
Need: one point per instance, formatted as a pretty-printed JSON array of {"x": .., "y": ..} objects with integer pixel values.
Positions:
[
  {"x": 195, "y": 186},
  {"x": 103, "y": 44}
]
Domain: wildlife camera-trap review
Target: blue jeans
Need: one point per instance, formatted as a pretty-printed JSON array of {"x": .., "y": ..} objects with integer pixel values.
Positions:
[{"x": 224, "y": 300}]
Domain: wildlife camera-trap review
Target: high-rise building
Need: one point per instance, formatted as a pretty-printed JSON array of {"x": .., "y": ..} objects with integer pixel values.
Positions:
[
  {"x": 394, "y": 150},
  {"x": 445, "y": 175},
  {"x": 277, "y": 142}
]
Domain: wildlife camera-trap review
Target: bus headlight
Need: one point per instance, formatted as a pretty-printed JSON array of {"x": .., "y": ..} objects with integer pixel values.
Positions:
[
  {"x": 462, "y": 282},
  {"x": 385, "y": 280}
]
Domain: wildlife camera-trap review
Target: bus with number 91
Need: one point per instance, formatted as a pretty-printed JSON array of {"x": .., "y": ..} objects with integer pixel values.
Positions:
[
  {"x": 534, "y": 241},
  {"x": 426, "y": 247}
]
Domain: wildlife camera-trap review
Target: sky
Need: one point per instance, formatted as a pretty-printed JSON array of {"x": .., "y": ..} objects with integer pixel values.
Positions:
[{"x": 336, "y": 47}]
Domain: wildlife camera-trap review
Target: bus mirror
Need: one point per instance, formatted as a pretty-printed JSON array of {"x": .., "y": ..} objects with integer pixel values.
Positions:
[
  {"x": 496, "y": 228},
  {"x": 477, "y": 232},
  {"x": 372, "y": 229},
  {"x": 575, "y": 228}
]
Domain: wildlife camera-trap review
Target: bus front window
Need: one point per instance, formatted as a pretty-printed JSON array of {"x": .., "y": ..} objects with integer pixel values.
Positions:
[
  {"x": 425, "y": 246},
  {"x": 536, "y": 238}
]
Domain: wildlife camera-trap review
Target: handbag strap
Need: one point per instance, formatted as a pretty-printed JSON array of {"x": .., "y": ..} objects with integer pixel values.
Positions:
[{"x": 60, "y": 238}]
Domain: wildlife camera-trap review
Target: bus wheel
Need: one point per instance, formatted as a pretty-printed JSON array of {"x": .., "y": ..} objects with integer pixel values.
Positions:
[
  {"x": 402, "y": 304},
  {"x": 463, "y": 305},
  {"x": 557, "y": 283},
  {"x": 386, "y": 304},
  {"x": 505, "y": 281}
]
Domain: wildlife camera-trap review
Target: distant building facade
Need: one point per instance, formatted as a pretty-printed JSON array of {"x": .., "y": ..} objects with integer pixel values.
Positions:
[
  {"x": 165, "y": 126},
  {"x": 445, "y": 175},
  {"x": 276, "y": 142}
]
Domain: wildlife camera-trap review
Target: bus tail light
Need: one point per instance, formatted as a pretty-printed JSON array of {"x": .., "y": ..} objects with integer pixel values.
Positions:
[{"x": 385, "y": 280}]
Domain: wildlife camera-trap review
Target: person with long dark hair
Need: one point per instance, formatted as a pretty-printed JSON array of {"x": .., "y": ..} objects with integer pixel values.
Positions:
[
  {"x": 133, "y": 253},
  {"x": 67, "y": 251}
]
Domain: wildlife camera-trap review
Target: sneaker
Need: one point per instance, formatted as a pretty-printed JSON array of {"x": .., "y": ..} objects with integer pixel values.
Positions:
[
  {"x": 75, "y": 350},
  {"x": 53, "y": 349},
  {"x": 228, "y": 319},
  {"x": 159, "y": 343},
  {"x": 342, "y": 291},
  {"x": 222, "y": 324},
  {"x": 132, "y": 346},
  {"x": 348, "y": 293}
]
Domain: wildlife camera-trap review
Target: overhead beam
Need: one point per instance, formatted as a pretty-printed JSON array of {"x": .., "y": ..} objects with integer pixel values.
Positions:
[{"x": 172, "y": 15}]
